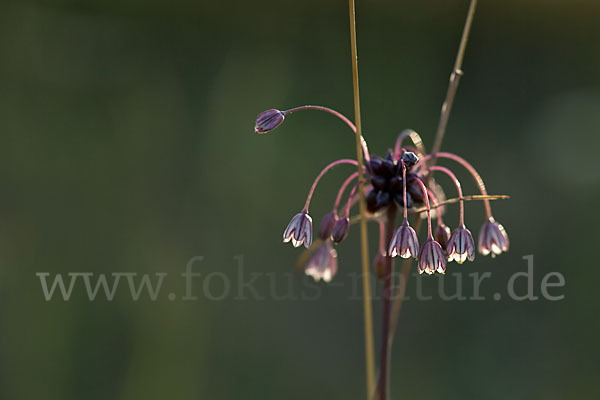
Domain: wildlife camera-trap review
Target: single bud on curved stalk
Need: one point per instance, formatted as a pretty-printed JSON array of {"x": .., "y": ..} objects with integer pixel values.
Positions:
[
  {"x": 340, "y": 230},
  {"x": 492, "y": 238},
  {"x": 404, "y": 242},
  {"x": 379, "y": 266},
  {"x": 323, "y": 263},
  {"x": 327, "y": 224},
  {"x": 461, "y": 246},
  {"x": 442, "y": 235},
  {"x": 299, "y": 230},
  {"x": 432, "y": 258},
  {"x": 268, "y": 120}
]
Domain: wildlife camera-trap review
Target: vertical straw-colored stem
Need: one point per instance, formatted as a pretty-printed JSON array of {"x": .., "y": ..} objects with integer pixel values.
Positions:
[
  {"x": 364, "y": 247},
  {"x": 454, "y": 80}
]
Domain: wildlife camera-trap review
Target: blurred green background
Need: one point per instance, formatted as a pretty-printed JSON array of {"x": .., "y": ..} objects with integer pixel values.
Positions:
[{"x": 127, "y": 146}]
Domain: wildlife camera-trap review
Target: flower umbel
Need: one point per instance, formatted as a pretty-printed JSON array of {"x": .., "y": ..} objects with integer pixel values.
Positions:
[
  {"x": 401, "y": 179},
  {"x": 299, "y": 230}
]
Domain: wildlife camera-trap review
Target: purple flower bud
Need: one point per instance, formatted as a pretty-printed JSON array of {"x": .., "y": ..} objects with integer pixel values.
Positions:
[
  {"x": 404, "y": 242},
  {"x": 432, "y": 258},
  {"x": 323, "y": 263},
  {"x": 327, "y": 224},
  {"x": 442, "y": 235},
  {"x": 299, "y": 230},
  {"x": 379, "y": 266},
  {"x": 268, "y": 120},
  {"x": 492, "y": 238},
  {"x": 461, "y": 246},
  {"x": 340, "y": 230}
]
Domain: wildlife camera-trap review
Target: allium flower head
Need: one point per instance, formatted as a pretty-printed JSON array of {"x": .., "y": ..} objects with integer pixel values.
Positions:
[
  {"x": 387, "y": 181},
  {"x": 401, "y": 179},
  {"x": 404, "y": 242},
  {"x": 268, "y": 120},
  {"x": 323, "y": 263},
  {"x": 299, "y": 230},
  {"x": 460, "y": 246},
  {"x": 492, "y": 238},
  {"x": 432, "y": 258}
]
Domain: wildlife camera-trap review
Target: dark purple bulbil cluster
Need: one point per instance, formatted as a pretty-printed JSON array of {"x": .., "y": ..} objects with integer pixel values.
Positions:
[
  {"x": 402, "y": 180},
  {"x": 387, "y": 182}
]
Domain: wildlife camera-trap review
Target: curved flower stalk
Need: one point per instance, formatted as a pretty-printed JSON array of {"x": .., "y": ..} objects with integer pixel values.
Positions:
[{"x": 271, "y": 119}]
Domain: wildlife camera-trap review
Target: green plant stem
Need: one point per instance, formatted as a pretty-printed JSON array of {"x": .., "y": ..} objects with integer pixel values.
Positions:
[
  {"x": 454, "y": 80},
  {"x": 364, "y": 246}
]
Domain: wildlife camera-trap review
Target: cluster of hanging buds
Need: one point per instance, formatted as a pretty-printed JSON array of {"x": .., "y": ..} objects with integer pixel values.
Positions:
[{"x": 403, "y": 178}]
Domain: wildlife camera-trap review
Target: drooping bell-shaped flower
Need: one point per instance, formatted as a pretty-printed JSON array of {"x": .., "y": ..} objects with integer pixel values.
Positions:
[
  {"x": 492, "y": 238},
  {"x": 340, "y": 229},
  {"x": 299, "y": 230},
  {"x": 461, "y": 246},
  {"x": 323, "y": 263},
  {"x": 432, "y": 258},
  {"x": 404, "y": 242}
]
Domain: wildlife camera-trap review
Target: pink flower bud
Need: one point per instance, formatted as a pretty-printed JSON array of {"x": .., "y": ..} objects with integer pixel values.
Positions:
[{"x": 268, "y": 120}]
